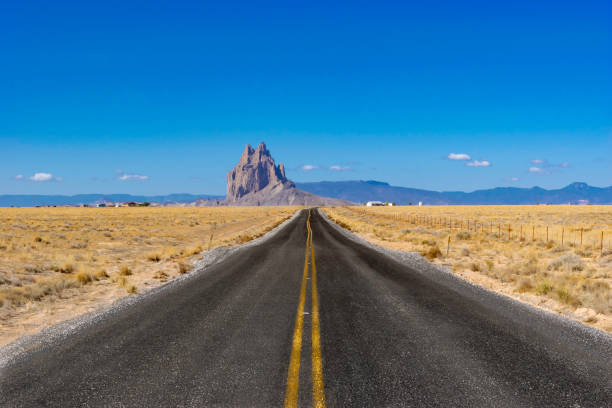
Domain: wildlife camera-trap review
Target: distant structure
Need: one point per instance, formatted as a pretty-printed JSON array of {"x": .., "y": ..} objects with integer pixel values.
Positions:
[{"x": 374, "y": 204}]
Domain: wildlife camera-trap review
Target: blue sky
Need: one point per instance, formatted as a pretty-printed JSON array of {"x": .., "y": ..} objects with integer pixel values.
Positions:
[{"x": 160, "y": 97}]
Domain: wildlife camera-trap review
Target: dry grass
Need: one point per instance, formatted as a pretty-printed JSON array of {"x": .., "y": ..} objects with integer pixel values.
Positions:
[
  {"x": 508, "y": 245},
  {"x": 53, "y": 256}
]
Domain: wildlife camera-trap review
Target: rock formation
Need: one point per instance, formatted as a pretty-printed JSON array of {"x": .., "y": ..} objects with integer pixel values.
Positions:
[
  {"x": 256, "y": 180},
  {"x": 254, "y": 172}
]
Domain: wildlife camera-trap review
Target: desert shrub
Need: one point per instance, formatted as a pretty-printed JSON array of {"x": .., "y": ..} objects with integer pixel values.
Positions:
[
  {"x": 125, "y": 270},
  {"x": 475, "y": 267},
  {"x": 154, "y": 257},
  {"x": 161, "y": 275},
  {"x": 342, "y": 224},
  {"x": 503, "y": 274},
  {"x": 465, "y": 252},
  {"x": 67, "y": 267},
  {"x": 432, "y": 253},
  {"x": 122, "y": 281},
  {"x": 584, "y": 254},
  {"x": 183, "y": 268},
  {"x": 490, "y": 264},
  {"x": 131, "y": 289},
  {"x": 245, "y": 238},
  {"x": 83, "y": 278},
  {"x": 194, "y": 250},
  {"x": 33, "y": 269},
  {"x": 524, "y": 285},
  {"x": 565, "y": 296},
  {"x": 571, "y": 262},
  {"x": 463, "y": 235},
  {"x": 543, "y": 288},
  {"x": 101, "y": 274}
]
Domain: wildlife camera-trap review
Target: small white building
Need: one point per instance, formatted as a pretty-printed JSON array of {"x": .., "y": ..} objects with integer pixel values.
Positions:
[{"x": 374, "y": 203}]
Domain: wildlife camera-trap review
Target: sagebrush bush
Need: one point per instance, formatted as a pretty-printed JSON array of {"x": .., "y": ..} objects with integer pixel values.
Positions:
[
  {"x": 570, "y": 262},
  {"x": 463, "y": 235}
]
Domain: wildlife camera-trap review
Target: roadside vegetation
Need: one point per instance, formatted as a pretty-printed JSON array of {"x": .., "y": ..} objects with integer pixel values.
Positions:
[
  {"x": 58, "y": 262},
  {"x": 552, "y": 256}
]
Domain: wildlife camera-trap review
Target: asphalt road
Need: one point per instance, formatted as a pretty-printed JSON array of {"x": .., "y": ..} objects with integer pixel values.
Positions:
[{"x": 387, "y": 335}]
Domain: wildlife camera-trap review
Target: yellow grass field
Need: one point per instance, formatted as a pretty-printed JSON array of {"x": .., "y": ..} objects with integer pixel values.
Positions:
[
  {"x": 56, "y": 263},
  {"x": 508, "y": 249}
]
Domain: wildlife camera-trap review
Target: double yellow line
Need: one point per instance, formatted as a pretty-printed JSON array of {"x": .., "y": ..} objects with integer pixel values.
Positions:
[{"x": 293, "y": 378}]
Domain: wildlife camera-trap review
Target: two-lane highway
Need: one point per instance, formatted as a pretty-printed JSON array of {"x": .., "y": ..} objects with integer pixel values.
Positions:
[{"x": 311, "y": 317}]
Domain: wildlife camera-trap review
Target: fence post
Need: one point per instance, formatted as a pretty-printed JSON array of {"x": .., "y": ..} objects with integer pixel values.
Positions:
[{"x": 562, "y": 236}]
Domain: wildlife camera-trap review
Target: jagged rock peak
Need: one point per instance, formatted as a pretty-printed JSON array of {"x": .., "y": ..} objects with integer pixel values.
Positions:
[{"x": 255, "y": 171}]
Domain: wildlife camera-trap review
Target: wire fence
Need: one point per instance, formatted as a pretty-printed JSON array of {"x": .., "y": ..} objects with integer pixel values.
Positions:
[{"x": 590, "y": 237}]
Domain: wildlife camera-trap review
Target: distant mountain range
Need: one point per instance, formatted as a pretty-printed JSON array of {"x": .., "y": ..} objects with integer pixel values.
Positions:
[
  {"x": 92, "y": 199},
  {"x": 354, "y": 191},
  {"x": 360, "y": 191}
]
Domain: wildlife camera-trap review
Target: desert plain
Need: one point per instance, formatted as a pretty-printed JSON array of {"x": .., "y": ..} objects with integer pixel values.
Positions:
[{"x": 57, "y": 263}]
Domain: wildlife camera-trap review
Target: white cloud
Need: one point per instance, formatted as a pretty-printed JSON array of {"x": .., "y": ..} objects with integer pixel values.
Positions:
[
  {"x": 339, "y": 168},
  {"x": 459, "y": 156},
  {"x": 137, "y": 177},
  {"x": 565, "y": 165},
  {"x": 40, "y": 177},
  {"x": 538, "y": 170},
  {"x": 479, "y": 163},
  {"x": 308, "y": 167},
  {"x": 19, "y": 177},
  {"x": 537, "y": 161}
]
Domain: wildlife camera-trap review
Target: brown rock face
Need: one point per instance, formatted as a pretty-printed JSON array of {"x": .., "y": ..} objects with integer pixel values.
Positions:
[
  {"x": 256, "y": 180},
  {"x": 255, "y": 171}
]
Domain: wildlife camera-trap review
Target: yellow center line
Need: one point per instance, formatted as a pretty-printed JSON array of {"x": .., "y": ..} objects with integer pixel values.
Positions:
[
  {"x": 293, "y": 378},
  {"x": 318, "y": 393}
]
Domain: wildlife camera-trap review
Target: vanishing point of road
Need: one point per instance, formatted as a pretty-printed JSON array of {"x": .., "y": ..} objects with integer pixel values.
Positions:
[{"x": 311, "y": 317}]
